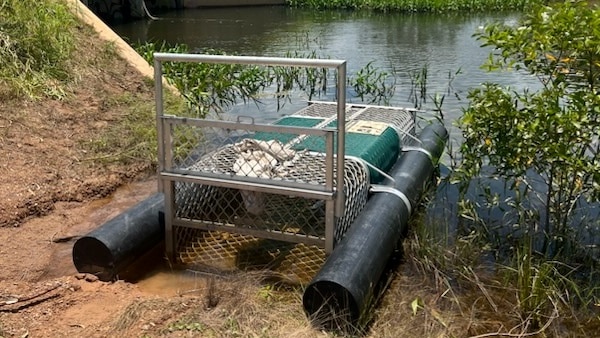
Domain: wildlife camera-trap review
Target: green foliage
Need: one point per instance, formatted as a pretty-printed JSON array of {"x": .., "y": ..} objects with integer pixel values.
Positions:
[
  {"x": 371, "y": 83},
  {"x": 36, "y": 41},
  {"x": 413, "y": 5},
  {"x": 185, "y": 326},
  {"x": 215, "y": 87},
  {"x": 418, "y": 85},
  {"x": 205, "y": 86},
  {"x": 542, "y": 287},
  {"x": 552, "y": 132}
]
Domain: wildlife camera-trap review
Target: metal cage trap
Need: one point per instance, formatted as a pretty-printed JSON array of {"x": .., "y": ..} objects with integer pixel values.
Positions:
[{"x": 275, "y": 197}]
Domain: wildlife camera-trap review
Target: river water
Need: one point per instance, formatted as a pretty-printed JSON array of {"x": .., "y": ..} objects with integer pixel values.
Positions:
[{"x": 402, "y": 44}]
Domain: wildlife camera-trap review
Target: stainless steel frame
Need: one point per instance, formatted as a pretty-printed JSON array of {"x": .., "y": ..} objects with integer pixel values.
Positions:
[{"x": 168, "y": 175}]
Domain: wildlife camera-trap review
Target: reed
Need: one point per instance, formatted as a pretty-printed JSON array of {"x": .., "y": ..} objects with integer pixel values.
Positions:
[
  {"x": 215, "y": 88},
  {"x": 412, "y": 6}
]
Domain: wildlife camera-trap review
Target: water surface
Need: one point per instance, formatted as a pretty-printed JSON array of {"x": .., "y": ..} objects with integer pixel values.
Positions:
[{"x": 398, "y": 43}]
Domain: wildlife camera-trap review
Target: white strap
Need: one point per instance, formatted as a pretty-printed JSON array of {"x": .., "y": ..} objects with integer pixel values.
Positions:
[{"x": 382, "y": 188}]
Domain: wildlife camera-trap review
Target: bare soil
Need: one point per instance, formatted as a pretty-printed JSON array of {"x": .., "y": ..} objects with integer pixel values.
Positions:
[
  {"x": 56, "y": 187},
  {"x": 53, "y": 191}
]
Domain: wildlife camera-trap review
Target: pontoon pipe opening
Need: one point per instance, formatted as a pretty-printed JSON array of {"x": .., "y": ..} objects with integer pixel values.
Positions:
[{"x": 105, "y": 251}]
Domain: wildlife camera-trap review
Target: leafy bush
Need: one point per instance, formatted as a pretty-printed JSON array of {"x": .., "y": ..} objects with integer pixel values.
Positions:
[
  {"x": 553, "y": 131},
  {"x": 551, "y": 135},
  {"x": 413, "y": 5}
]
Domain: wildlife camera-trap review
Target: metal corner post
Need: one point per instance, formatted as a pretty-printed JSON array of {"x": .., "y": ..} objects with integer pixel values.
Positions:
[
  {"x": 158, "y": 97},
  {"x": 341, "y": 128}
]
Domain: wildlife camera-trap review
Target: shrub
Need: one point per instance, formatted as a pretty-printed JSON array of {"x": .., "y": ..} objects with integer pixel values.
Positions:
[{"x": 553, "y": 131}]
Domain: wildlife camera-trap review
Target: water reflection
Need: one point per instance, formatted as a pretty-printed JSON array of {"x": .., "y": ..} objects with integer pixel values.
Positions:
[
  {"x": 398, "y": 43},
  {"x": 493, "y": 200}
]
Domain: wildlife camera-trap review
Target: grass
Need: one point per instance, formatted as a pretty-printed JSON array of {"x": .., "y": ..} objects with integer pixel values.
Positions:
[
  {"x": 44, "y": 58},
  {"x": 131, "y": 139},
  {"x": 134, "y": 139},
  {"x": 411, "y": 6},
  {"x": 36, "y": 43},
  {"x": 246, "y": 308},
  {"x": 216, "y": 87}
]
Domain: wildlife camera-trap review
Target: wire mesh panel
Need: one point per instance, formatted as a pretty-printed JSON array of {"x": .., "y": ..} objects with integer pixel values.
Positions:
[
  {"x": 286, "y": 240},
  {"x": 226, "y": 206},
  {"x": 226, "y": 175},
  {"x": 226, "y": 253},
  {"x": 245, "y": 195},
  {"x": 402, "y": 119},
  {"x": 246, "y": 178},
  {"x": 267, "y": 215}
]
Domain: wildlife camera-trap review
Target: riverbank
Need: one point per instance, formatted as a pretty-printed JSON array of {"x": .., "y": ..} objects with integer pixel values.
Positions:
[{"x": 78, "y": 155}]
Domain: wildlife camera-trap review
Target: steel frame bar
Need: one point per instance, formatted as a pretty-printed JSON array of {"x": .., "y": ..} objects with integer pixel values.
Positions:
[{"x": 166, "y": 184}]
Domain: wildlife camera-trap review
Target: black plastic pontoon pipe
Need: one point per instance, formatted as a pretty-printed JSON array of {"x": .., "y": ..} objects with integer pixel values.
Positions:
[
  {"x": 105, "y": 251},
  {"x": 343, "y": 287}
]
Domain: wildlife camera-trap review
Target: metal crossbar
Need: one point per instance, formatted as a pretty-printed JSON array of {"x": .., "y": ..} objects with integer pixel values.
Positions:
[
  {"x": 290, "y": 189},
  {"x": 333, "y": 197}
]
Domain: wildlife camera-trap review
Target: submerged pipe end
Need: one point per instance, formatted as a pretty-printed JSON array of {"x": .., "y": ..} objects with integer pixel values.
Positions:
[
  {"x": 329, "y": 305},
  {"x": 90, "y": 255}
]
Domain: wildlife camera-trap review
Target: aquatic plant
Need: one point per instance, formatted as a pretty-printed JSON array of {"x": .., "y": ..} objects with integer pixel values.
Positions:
[
  {"x": 413, "y": 5},
  {"x": 418, "y": 85},
  {"x": 373, "y": 85},
  {"x": 216, "y": 87}
]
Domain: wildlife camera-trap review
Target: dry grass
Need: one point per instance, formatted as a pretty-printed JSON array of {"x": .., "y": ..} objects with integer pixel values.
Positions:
[
  {"x": 234, "y": 307},
  {"x": 453, "y": 297},
  {"x": 416, "y": 303}
]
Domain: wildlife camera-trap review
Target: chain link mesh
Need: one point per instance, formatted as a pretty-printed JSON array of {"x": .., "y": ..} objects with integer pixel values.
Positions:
[{"x": 236, "y": 221}]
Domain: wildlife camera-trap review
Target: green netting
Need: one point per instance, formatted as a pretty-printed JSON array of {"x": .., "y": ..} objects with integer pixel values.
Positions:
[
  {"x": 291, "y": 121},
  {"x": 382, "y": 150}
]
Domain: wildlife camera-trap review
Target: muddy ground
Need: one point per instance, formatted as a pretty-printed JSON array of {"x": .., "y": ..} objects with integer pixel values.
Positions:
[
  {"x": 53, "y": 191},
  {"x": 56, "y": 186}
]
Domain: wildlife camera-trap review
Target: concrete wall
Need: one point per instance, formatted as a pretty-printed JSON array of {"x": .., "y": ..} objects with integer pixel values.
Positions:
[
  {"x": 107, "y": 34},
  {"x": 226, "y": 3},
  {"x": 124, "y": 10}
]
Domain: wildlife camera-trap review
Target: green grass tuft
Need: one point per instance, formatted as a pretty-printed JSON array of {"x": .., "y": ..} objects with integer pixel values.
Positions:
[{"x": 36, "y": 42}]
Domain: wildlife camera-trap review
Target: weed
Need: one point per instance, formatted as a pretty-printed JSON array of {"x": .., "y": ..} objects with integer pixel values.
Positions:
[
  {"x": 374, "y": 85},
  {"x": 182, "y": 326},
  {"x": 209, "y": 88},
  {"x": 418, "y": 86},
  {"x": 36, "y": 42}
]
